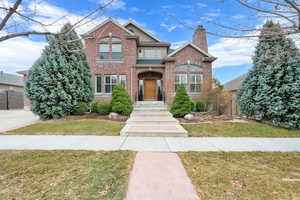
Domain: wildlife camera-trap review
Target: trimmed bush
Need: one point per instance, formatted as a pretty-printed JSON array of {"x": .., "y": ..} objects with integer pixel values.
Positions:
[
  {"x": 81, "y": 108},
  {"x": 121, "y": 102},
  {"x": 101, "y": 107},
  {"x": 200, "y": 106},
  {"x": 182, "y": 103}
]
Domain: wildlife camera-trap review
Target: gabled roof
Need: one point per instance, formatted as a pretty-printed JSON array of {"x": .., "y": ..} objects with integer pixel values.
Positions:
[
  {"x": 142, "y": 29},
  {"x": 235, "y": 84},
  {"x": 192, "y": 45},
  {"x": 105, "y": 22},
  {"x": 11, "y": 79}
]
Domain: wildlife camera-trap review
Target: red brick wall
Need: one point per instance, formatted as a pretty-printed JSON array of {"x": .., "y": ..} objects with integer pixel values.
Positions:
[
  {"x": 188, "y": 55},
  {"x": 126, "y": 67},
  {"x": 123, "y": 67}
]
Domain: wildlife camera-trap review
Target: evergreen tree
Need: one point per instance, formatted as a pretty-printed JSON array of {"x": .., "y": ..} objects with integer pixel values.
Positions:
[
  {"x": 60, "y": 78},
  {"x": 182, "y": 104},
  {"x": 271, "y": 91},
  {"x": 121, "y": 102}
]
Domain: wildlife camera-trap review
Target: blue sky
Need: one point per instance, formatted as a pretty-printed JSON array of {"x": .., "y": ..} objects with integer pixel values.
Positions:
[{"x": 164, "y": 18}]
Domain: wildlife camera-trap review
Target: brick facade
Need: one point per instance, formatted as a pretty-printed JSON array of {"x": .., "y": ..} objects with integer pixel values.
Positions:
[{"x": 190, "y": 54}]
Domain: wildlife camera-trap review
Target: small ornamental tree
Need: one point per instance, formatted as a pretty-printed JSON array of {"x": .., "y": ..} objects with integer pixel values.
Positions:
[
  {"x": 60, "y": 78},
  {"x": 271, "y": 91},
  {"x": 121, "y": 102},
  {"x": 182, "y": 103}
]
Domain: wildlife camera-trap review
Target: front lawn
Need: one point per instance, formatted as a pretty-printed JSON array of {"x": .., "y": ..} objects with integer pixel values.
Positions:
[
  {"x": 244, "y": 176},
  {"x": 67, "y": 175},
  {"x": 72, "y": 127},
  {"x": 231, "y": 129}
]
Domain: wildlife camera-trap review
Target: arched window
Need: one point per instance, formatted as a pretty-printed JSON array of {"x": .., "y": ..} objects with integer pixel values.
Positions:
[
  {"x": 193, "y": 68},
  {"x": 110, "y": 48}
]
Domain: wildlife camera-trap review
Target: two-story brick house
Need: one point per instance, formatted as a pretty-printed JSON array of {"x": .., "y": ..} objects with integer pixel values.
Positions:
[{"x": 146, "y": 66}]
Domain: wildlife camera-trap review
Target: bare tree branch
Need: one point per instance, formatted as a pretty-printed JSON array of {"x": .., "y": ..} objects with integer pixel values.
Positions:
[{"x": 11, "y": 11}]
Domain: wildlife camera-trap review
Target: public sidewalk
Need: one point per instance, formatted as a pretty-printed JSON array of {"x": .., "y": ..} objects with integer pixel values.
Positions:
[
  {"x": 159, "y": 176},
  {"x": 144, "y": 144}
]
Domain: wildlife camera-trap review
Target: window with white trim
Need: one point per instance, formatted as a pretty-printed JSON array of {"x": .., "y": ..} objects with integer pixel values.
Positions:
[
  {"x": 110, "y": 48},
  {"x": 195, "y": 82},
  {"x": 181, "y": 79},
  {"x": 104, "y": 51},
  {"x": 110, "y": 83},
  {"x": 98, "y": 84},
  {"x": 122, "y": 80},
  {"x": 116, "y": 50}
]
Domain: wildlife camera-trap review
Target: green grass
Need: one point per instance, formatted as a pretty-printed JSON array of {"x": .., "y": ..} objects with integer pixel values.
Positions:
[
  {"x": 67, "y": 175},
  {"x": 72, "y": 127},
  {"x": 244, "y": 176},
  {"x": 228, "y": 129}
]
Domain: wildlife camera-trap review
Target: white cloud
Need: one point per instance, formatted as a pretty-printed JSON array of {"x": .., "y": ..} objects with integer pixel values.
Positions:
[
  {"x": 134, "y": 9},
  {"x": 201, "y": 5},
  {"x": 19, "y": 53},
  {"x": 169, "y": 28},
  {"x": 232, "y": 51}
]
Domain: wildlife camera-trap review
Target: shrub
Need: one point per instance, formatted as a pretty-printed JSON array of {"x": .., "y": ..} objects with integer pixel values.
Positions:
[
  {"x": 193, "y": 106},
  {"x": 94, "y": 107},
  {"x": 104, "y": 108},
  {"x": 81, "y": 108},
  {"x": 120, "y": 102},
  {"x": 182, "y": 103},
  {"x": 200, "y": 106}
]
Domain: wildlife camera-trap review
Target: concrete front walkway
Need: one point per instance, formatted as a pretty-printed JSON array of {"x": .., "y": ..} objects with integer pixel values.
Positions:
[
  {"x": 152, "y": 144},
  {"x": 12, "y": 119},
  {"x": 159, "y": 176}
]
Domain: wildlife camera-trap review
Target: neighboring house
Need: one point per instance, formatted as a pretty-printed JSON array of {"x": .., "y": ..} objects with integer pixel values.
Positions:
[
  {"x": 230, "y": 91},
  {"x": 24, "y": 73},
  {"x": 146, "y": 66},
  {"x": 11, "y": 91}
]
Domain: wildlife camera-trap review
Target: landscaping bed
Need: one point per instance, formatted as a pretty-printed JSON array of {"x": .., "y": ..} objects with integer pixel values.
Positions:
[
  {"x": 65, "y": 175},
  {"x": 72, "y": 127},
  {"x": 234, "y": 129},
  {"x": 243, "y": 176}
]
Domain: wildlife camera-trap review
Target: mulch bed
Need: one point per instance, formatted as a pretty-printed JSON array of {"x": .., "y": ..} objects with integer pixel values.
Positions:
[
  {"x": 94, "y": 116},
  {"x": 209, "y": 118}
]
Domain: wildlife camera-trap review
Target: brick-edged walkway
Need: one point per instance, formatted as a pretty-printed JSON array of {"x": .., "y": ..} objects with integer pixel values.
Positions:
[{"x": 159, "y": 176}]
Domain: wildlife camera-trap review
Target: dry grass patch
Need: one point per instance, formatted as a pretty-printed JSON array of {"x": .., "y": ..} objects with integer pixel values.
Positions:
[
  {"x": 232, "y": 129},
  {"x": 244, "y": 176},
  {"x": 68, "y": 175},
  {"x": 72, "y": 127}
]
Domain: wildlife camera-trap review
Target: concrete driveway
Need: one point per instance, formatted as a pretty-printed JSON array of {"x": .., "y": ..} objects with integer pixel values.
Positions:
[{"x": 12, "y": 119}]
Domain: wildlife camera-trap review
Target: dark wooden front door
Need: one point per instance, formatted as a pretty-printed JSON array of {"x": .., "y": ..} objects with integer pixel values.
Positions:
[{"x": 150, "y": 89}]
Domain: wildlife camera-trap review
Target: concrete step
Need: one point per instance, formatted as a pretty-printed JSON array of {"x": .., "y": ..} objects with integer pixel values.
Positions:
[
  {"x": 150, "y": 130},
  {"x": 150, "y": 114},
  {"x": 167, "y": 120},
  {"x": 150, "y": 108},
  {"x": 149, "y": 103}
]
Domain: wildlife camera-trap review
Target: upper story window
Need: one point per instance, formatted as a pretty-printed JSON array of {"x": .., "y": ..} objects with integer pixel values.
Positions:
[
  {"x": 110, "y": 48},
  {"x": 153, "y": 53}
]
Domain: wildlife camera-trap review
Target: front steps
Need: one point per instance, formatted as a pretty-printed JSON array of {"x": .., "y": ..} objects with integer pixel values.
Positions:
[{"x": 152, "y": 118}]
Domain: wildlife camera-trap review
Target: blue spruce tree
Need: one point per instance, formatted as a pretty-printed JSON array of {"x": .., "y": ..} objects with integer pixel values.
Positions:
[
  {"x": 60, "y": 78},
  {"x": 271, "y": 91}
]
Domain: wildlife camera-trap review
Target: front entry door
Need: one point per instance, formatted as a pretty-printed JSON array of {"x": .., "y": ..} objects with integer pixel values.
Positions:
[{"x": 150, "y": 89}]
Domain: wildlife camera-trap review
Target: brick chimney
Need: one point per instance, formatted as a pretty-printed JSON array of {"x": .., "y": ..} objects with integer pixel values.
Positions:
[{"x": 199, "y": 38}]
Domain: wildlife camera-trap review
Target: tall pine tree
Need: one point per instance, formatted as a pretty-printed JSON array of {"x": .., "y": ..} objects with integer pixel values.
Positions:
[
  {"x": 60, "y": 78},
  {"x": 271, "y": 91}
]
